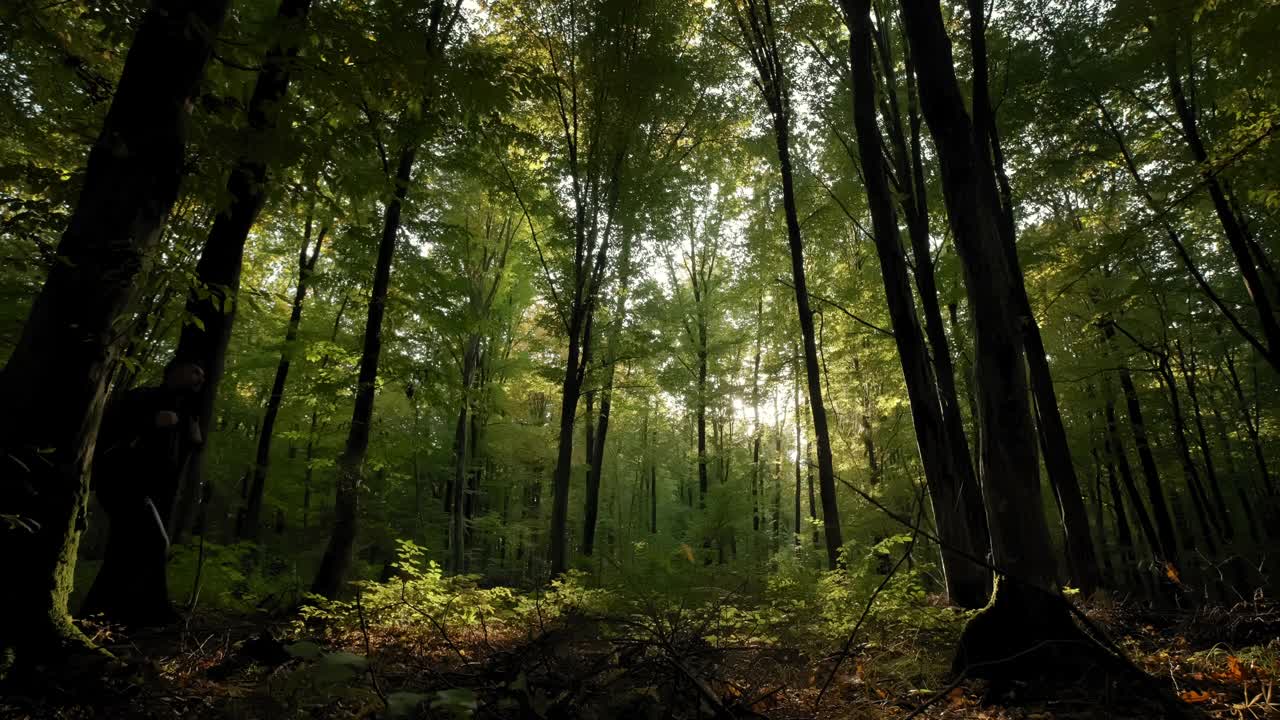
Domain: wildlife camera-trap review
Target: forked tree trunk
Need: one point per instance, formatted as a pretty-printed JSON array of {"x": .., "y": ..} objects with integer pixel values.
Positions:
[
  {"x": 1027, "y": 609},
  {"x": 53, "y": 384},
  {"x": 968, "y": 584}
]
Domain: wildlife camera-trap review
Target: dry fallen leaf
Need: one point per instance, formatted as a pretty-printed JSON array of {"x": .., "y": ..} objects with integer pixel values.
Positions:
[{"x": 1195, "y": 696}]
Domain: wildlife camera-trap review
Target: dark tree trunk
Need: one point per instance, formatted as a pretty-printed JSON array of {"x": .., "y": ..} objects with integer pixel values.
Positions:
[
  {"x": 596, "y": 448},
  {"x": 968, "y": 584},
  {"x": 757, "y": 480},
  {"x": 336, "y": 562},
  {"x": 211, "y": 305},
  {"x": 1118, "y": 459},
  {"x": 1027, "y": 609},
  {"x": 760, "y": 37},
  {"x": 915, "y": 208},
  {"x": 1200, "y": 502},
  {"x": 1251, "y": 427},
  {"x": 53, "y": 384},
  {"x": 1188, "y": 369},
  {"x": 1051, "y": 433},
  {"x": 456, "y": 496},
  {"x": 569, "y": 392},
  {"x": 1168, "y": 546},
  {"x": 262, "y": 461}
]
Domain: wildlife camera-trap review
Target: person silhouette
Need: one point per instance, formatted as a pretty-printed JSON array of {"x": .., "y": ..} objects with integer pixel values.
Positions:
[{"x": 143, "y": 444}]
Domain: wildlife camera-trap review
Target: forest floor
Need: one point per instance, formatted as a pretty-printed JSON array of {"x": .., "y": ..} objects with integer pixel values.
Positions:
[{"x": 1223, "y": 662}]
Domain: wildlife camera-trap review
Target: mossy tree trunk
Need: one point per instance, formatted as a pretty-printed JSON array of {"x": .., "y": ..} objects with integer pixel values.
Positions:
[{"x": 53, "y": 385}]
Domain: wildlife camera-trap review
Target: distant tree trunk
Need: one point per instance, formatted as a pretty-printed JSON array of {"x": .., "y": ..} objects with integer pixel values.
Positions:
[
  {"x": 653, "y": 498},
  {"x": 262, "y": 461},
  {"x": 1168, "y": 546},
  {"x": 315, "y": 417},
  {"x": 596, "y": 470},
  {"x": 1220, "y": 428},
  {"x": 211, "y": 304},
  {"x": 701, "y": 412},
  {"x": 760, "y": 36},
  {"x": 813, "y": 505},
  {"x": 54, "y": 382},
  {"x": 757, "y": 480},
  {"x": 1118, "y": 459},
  {"x": 1188, "y": 370},
  {"x": 1250, "y": 426},
  {"x": 775, "y": 521},
  {"x": 1200, "y": 501},
  {"x": 800, "y": 456},
  {"x": 968, "y": 584},
  {"x": 966, "y": 372},
  {"x": 461, "y": 463},
  {"x": 336, "y": 562}
]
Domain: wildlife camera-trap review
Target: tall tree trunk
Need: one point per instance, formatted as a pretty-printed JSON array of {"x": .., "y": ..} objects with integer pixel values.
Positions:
[
  {"x": 262, "y": 459},
  {"x": 1050, "y": 430},
  {"x": 1188, "y": 369},
  {"x": 336, "y": 562},
  {"x": 1168, "y": 546},
  {"x": 1027, "y": 608},
  {"x": 570, "y": 389},
  {"x": 1200, "y": 501},
  {"x": 968, "y": 583},
  {"x": 53, "y": 384},
  {"x": 461, "y": 463},
  {"x": 757, "y": 432},
  {"x": 1250, "y": 426},
  {"x": 1118, "y": 459},
  {"x": 211, "y": 304},
  {"x": 760, "y": 37},
  {"x": 915, "y": 208}
]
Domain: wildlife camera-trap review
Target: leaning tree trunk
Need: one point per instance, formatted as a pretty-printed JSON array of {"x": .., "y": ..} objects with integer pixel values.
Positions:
[
  {"x": 266, "y": 433},
  {"x": 53, "y": 385},
  {"x": 909, "y": 163},
  {"x": 1188, "y": 370},
  {"x": 1052, "y": 435},
  {"x": 1027, "y": 610},
  {"x": 211, "y": 304},
  {"x": 336, "y": 562},
  {"x": 1168, "y": 547},
  {"x": 1119, "y": 460},
  {"x": 968, "y": 583}
]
